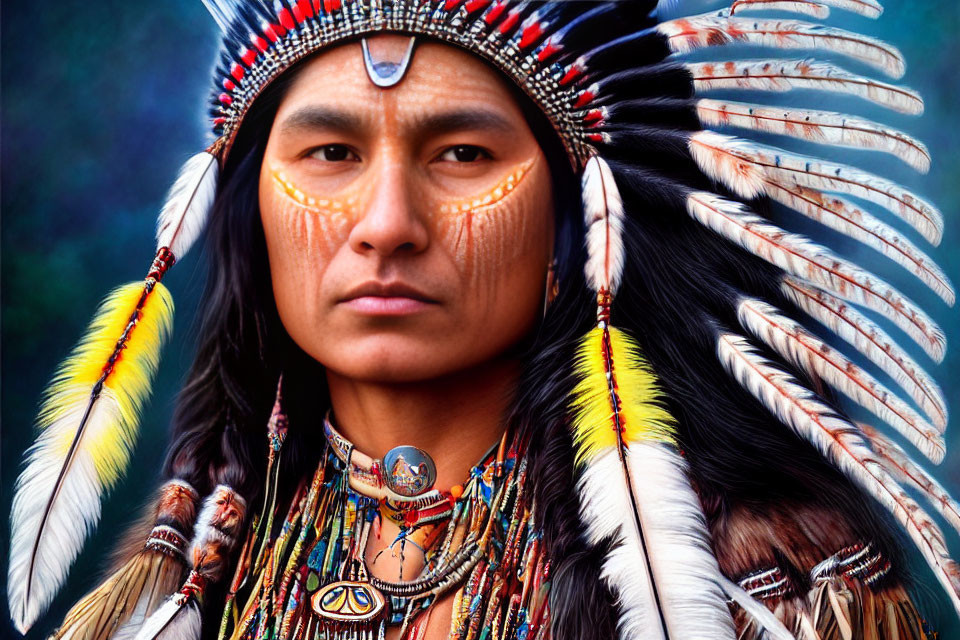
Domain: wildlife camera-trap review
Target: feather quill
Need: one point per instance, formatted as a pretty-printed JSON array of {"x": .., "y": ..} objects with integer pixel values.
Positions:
[
  {"x": 900, "y": 465},
  {"x": 764, "y": 618},
  {"x": 787, "y": 75},
  {"x": 814, "y": 264},
  {"x": 90, "y": 414},
  {"x": 823, "y": 127},
  {"x": 188, "y": 204},
  {"x": 88, "y": 424},
  {"x": 634, "y": 490},
  {"x": 820, "y": 9},
  {"x": 746, "y": 166},
  {"x": 871, "y": 341},
  {"x": 841, "y": 442},
  {"x": 603, "y": 216},
  {"x": 843, "y": 216},
  {"x": 797, "y": 345},
  {"x": 717, "y": 29}
]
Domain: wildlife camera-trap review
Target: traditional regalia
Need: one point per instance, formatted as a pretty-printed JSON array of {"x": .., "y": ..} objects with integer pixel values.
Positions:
[{"x": 678, "y": 463}]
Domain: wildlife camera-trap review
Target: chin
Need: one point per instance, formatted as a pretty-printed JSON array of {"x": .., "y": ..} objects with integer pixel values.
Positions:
[{"x": 391, "y": 359}]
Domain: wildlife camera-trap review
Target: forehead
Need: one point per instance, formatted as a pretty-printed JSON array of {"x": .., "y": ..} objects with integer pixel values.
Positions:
[{"x": 440, "y": 76}]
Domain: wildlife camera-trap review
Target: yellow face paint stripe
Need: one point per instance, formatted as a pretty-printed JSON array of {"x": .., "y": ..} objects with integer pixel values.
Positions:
[{"x": 498, "y": 193}]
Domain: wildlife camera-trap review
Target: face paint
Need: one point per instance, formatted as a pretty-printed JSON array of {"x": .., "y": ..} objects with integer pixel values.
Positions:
[
  {"x": 489, "y": 230},
  {"x": 498, "y": 193},
  {"x": 322, "y": 222},
  {"x": 476, "y": 230}
]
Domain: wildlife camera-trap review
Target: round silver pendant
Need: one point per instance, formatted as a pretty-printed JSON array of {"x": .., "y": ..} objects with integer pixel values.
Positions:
[{"x": 408, "y": 471}]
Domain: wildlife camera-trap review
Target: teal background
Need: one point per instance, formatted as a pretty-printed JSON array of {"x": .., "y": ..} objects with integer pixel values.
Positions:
[{"x": 101, "y": 103}]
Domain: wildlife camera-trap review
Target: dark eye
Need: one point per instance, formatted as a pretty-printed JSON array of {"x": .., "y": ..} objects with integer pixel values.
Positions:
[
  {"x": 333, "y": 153},
  {"x": 464, "y": 153}
]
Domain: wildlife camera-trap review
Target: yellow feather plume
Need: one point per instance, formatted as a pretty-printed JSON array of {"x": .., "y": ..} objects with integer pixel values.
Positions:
[
  {"x": 88, "y": 424},
  {"x": 642, "y": 416},
  {"x": 128, "y": 385}
]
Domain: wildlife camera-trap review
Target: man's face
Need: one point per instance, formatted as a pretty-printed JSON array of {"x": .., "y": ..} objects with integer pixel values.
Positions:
[{"x": 409, "y": 229}]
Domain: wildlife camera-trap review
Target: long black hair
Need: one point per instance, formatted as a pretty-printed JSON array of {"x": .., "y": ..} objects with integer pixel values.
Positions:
[{"x": 677, "y": 291}]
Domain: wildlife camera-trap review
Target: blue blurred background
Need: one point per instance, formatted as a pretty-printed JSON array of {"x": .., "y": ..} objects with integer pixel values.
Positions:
[{"x": 101, "y": 103}]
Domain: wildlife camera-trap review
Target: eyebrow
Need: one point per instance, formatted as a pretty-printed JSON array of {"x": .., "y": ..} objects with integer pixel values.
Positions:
[
  {"x": 320, "y": 118},
  {"x": 323, "y": 118},
  {"x": 464, "y": 120}
]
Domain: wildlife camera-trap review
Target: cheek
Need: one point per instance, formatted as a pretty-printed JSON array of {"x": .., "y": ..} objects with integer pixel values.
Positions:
[
  {"x": 302, "y": 234},
  {"x": 302, "y": 227},
  {"x": 493, "y": 231}
]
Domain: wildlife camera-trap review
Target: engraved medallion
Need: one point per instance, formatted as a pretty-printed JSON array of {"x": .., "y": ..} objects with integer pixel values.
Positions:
[
  {"x": 348, "y": 601},
  {"x": 408, "y": 471}
]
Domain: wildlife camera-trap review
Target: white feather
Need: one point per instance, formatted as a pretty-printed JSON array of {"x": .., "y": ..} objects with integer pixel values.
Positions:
[
  {"x": 800, "y": 257},
  {"x": 129, "y": 629},
  {"x": 746, "y": 167},
  {"x": 675, "y": 533},
  {"x": 787, "y": 75},
  {"x": 816, "y": 9},
  {"x": 823, "y": 127},
  {"x": 870, "y": 340},
  {"x": 797, "y": 345},
  {"x": 178, "y": 618},
  {"x": 603, "y": 217},
  {"x": 901, "y": 466},
  {"x": 841, "y": 442},
  {"x": 772, "y": 626},
  {"x": 805, "y": 7},
  {"x": 34, "y": 578},
  {"x": 715, "y": 29},
  {"x": 843, "y": 216},
  {"x": 188, "y": 204}
]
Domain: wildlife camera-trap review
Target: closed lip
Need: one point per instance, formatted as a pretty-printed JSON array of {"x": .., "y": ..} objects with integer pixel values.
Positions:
[{"x": 377, "y": 289}]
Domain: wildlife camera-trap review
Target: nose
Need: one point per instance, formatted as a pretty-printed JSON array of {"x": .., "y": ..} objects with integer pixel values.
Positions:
[{"x": 389, "y": 222}]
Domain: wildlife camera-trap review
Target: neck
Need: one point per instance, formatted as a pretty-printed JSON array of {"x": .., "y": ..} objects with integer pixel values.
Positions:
[{"x": 455, "y": 419}]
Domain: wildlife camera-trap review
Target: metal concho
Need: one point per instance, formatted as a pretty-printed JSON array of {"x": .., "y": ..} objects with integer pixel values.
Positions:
[{"x": 408, "y": 471}]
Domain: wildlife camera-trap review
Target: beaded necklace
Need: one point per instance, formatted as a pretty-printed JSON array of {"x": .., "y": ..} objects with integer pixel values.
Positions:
[{"x": 307, "y": 579}]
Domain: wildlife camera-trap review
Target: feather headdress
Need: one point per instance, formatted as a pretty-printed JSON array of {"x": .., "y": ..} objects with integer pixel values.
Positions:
[{"x": 614, "y": 80}]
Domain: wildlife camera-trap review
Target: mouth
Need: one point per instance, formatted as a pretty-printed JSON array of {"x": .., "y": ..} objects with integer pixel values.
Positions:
[{"x": 386, "y": 299}]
